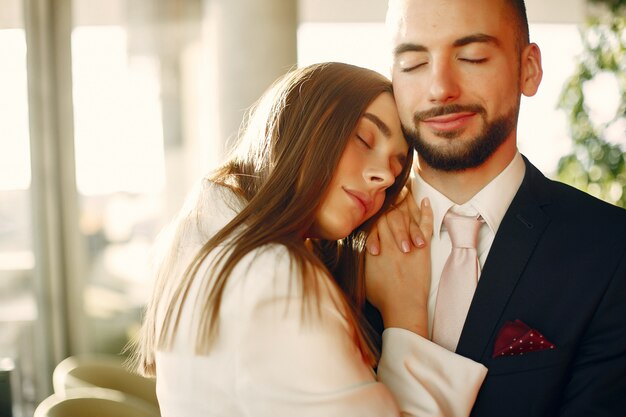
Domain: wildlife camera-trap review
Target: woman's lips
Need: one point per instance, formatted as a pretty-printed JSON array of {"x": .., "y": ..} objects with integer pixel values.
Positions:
[
  {"x": 449, "y": 122},
  {"x": 363, "y": 200}
]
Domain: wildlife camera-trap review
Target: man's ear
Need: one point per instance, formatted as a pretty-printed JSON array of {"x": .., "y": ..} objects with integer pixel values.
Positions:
[{"x": 531, "y": 71}]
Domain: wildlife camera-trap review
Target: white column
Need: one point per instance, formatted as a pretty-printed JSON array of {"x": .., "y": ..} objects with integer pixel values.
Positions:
[
  {"x": 249, "y": 43},
  {"x": 58, "y": 245}
]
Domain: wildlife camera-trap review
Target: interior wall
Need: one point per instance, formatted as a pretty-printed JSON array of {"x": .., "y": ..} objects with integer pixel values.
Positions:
[{"x": 539, "y": 11}]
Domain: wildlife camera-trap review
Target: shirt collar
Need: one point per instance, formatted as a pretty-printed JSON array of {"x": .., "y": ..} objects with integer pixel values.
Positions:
[
  {"x": 438, "y": 202},
  {"x": 491, "y": 202}
]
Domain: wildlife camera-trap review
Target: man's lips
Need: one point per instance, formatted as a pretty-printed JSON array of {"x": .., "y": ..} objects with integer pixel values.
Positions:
[
  {"x": 448, "y": 122},
  {"x": 363, "y": 200}
]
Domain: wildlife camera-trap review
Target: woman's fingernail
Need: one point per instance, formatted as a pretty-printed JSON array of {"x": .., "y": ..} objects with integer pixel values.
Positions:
[
  {"x": 419, "y": 242},
  {"x": 426, "y": 202},
  {"x": 406, "y": 247},
  {"x": 374, "y": 250}
]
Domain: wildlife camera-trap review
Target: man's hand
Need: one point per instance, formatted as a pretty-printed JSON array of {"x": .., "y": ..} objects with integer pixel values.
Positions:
[
  {"x": 398, "y": 283},
  {"x": 403, "y": 221}
]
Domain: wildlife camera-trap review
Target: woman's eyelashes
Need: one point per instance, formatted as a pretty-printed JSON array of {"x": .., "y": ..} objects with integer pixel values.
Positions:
[
  {"x": 368, "y": 142},
  {"x": 365, "y": 142}
]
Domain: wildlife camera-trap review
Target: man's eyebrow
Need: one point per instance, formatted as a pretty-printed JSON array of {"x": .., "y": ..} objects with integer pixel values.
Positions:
[
  {"x": 466, "y": 40},
  {"x": 408, "y": 47},
  {"x": 476, "y": 38},
  {"x": 379, "y": 124}
]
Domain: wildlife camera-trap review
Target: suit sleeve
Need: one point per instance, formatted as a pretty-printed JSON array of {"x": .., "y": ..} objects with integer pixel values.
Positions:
[
  {"x": 290, "y": 364},
  {"x": 598, "y": 381}
]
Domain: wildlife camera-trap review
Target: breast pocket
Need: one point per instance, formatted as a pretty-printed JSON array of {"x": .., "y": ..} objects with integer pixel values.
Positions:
[{"x": 503, "y": 365}]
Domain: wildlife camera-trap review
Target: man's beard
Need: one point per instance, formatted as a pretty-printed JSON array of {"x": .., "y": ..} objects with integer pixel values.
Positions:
[{"x": 460, "y": 155}]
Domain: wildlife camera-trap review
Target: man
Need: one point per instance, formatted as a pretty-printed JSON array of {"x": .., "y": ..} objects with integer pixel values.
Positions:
[{"x": 547, "y": 313}]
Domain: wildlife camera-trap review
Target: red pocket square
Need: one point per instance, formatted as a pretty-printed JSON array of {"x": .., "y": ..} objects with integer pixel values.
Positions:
[{"x": 516, "y": 338}]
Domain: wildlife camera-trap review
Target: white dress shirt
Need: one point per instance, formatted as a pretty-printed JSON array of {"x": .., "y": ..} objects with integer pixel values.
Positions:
[
  {"x": 491, "y": 203},
  {"x": 267, "y": 361}
]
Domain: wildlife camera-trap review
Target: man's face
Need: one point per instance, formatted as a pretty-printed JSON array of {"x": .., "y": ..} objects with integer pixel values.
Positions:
[{"x": 456, "y": 77}]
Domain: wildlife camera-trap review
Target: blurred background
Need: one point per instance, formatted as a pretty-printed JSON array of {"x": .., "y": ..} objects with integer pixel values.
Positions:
[{"x": 109, "y": 110}]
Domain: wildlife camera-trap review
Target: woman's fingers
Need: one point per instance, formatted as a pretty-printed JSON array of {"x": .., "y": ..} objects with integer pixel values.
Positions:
[
  {"x": 398, "y": 223},
  {"x": 418, "y": 237},
  {"x": 426, "y": 219},
  {"x": 373, "y": 241},
  {"x": 408, "y": 224}
]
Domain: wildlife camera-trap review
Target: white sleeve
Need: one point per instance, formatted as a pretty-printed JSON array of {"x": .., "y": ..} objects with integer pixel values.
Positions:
[
  {"x": 287, "y": 367},
  {"x": 427, "y": 379}
]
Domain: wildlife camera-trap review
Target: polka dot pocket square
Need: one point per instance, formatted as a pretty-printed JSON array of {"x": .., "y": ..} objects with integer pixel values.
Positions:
[{"x": 516, "y": 338}]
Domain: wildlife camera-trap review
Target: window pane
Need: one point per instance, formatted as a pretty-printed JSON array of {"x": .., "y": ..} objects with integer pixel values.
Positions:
[
  {"x": 18, "y": 309},
  {"x": 130, "y": 63}
]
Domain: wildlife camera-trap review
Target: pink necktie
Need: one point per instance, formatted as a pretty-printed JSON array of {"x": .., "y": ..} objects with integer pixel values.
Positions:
[{"x": 458, "y": 280}]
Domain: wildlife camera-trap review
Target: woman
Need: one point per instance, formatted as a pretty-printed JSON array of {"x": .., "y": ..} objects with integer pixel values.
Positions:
[{"x": 256, "y": 306}]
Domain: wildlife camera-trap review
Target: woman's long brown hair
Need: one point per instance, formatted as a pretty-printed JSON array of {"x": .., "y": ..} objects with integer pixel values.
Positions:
[{"x": 289, "y": 147}]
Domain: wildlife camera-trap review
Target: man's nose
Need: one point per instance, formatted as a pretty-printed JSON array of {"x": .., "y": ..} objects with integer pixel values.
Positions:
[{"x": 444, "y": 86}]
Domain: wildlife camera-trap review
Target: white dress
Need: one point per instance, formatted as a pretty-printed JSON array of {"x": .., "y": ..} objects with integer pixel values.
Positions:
[{"x": 269, "y": 362}]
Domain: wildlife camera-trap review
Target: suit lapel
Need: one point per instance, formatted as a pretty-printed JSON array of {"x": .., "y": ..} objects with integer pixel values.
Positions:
[{"x": 518, "y": 234}]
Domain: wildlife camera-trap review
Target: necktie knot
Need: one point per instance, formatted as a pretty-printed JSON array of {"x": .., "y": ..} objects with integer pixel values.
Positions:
[{"x": 463, "y": 230}]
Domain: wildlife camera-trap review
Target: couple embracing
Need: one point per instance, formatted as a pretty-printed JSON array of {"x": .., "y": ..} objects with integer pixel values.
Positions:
[{"x": 362, "y": 224}]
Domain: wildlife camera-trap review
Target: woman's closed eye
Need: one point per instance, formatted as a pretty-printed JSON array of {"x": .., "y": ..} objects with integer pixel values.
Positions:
[{"x": 364, "y": 142}]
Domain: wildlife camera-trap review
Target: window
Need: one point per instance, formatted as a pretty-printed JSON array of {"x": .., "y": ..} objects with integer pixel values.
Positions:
[
  {"x": 18, "y": 308},
  {"x": 131, "y": 63}
]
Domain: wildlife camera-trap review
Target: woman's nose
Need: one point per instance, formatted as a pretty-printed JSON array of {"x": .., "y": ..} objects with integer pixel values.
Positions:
[{"x": 380, "y": 175}]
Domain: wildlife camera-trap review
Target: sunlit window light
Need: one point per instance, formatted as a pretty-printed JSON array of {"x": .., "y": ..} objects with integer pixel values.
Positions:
[
  {"x": 363, "y": 44},
  {"x": 543, "y": 133},
  {"x": 15, "y": 139},
  {"x": 117, "y": 115}
]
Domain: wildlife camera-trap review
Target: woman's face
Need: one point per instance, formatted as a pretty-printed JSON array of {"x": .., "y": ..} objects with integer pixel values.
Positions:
[{"x": 374, "y": 156}]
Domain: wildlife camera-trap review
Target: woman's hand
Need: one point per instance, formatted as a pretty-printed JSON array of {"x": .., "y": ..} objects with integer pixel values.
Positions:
[
  {"x": 398, "y": 282},
  {"x": 403, "y": 221}
]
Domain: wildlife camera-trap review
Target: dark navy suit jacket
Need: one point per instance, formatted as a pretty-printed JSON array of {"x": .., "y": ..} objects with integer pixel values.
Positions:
[{"x": 558, "y": 263}]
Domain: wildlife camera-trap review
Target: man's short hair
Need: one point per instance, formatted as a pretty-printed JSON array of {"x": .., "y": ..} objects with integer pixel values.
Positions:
[{"x": 521, "y": 19}]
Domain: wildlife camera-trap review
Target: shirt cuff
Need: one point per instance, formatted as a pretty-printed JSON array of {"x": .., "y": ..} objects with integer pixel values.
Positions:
[{"x": 427, "y": 379}]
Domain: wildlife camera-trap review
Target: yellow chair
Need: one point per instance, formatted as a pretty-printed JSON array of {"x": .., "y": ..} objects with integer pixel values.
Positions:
[
  {"x": 94, "y": 402},
  {"x": 104, "y": 372}
]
